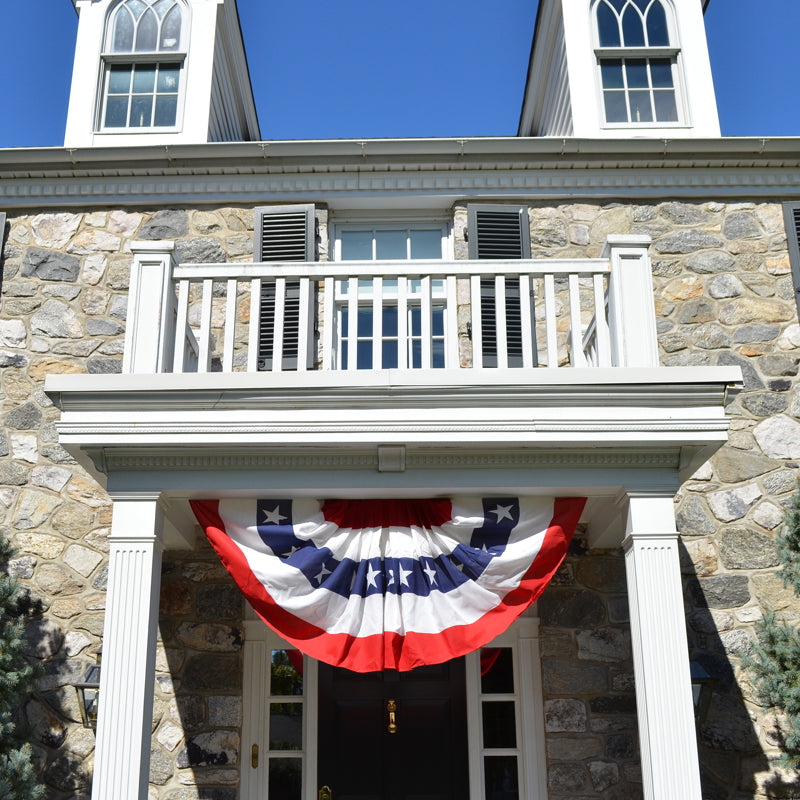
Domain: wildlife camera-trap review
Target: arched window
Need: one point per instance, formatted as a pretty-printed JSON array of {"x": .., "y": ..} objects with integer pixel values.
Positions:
[
  {"x": 143, "y": 64},
  {"x": 637, "y": 57}
]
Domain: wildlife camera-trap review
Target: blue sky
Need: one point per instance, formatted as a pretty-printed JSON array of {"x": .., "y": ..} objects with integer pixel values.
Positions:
[{"x": 358, "y": 69}]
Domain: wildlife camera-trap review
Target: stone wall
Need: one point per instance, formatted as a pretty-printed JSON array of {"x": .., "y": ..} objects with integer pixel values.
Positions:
[{"x": 723, "y": 295}]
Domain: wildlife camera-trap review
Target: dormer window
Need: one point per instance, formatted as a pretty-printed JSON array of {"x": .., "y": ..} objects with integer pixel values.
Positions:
[
  {"x": 637, "y": 61},
  {"x": 142, "y": 65}
]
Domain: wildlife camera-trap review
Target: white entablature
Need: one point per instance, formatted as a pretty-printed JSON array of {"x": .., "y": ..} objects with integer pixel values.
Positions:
[
  {"x": 620, "y": 68},
  {"x": 159, "y": 72}
]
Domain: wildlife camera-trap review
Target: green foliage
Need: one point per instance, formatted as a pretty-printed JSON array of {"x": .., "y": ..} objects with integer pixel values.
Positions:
[
  {"x": 775, "y": 662},
  {"x": 18, "y": 779}
]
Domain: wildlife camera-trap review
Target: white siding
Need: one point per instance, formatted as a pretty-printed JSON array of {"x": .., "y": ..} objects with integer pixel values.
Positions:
[
  {"x": 225, "y": 118},
  {"x": 556, "y": 118}
]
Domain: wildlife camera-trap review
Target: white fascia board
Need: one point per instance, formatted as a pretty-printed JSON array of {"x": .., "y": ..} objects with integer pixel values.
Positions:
[
  {"x": 230, "y": 28},
  {"x": 495, "y": 408}
]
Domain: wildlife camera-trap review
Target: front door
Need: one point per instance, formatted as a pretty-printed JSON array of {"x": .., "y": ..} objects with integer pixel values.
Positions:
[{"x": 425, "y": 758}]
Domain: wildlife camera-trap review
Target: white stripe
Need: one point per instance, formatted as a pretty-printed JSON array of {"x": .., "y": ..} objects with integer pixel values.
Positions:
[{"x": 397, "y": 613}]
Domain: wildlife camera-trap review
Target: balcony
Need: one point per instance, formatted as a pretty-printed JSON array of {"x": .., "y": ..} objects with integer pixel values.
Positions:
[{"x": 368, "y": 315}]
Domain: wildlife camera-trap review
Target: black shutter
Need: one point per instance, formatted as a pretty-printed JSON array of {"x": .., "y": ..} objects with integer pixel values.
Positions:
[
  {"x": 500, "y": 232},
  {"x": 282, "y": 233},
  {"x": 791, "y": 215}
]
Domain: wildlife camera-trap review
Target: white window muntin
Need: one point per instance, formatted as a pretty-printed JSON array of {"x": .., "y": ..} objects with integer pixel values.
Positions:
[
  {"x": 671, "y": 52},
  {"x": 164, "y": 62},
  {"x": 376, "y": 240},
  {"x": 391, "y": 229}
]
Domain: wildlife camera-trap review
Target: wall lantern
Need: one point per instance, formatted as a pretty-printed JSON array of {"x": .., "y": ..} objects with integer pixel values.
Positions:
[
  {"x": 89, "y": 693},
  {"x": 702, "y": 689}
]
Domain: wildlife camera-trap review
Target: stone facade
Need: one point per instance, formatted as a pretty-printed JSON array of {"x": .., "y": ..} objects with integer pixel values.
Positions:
[{"x": 723, "y": 295}]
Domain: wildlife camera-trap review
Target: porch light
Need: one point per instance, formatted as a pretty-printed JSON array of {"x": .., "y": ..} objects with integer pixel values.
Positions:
[
  {"x": 89, "y": 692},
  {"x": 702, "y": 689}
]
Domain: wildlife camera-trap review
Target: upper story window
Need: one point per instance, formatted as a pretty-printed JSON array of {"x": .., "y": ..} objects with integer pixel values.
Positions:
[
  {"x": 637, "y": 57},
  {"x": 142, "y": 65}
]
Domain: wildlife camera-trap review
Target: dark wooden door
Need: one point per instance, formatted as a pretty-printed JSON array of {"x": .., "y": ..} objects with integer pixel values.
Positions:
[{"x": 426, "y": 759}]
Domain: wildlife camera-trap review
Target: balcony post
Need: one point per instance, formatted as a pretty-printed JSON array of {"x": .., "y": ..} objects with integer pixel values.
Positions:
[
  {"x": 122, "y": 755},
  {"x": 667, "y": 738},
  {"x": 150, "y": 326},
  {"x": 631, "y": 317}
]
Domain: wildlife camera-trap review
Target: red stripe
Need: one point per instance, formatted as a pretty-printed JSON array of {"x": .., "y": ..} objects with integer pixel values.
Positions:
[
  {"x": 392, "y": 650},
  {"x": 388, "y": 513}
]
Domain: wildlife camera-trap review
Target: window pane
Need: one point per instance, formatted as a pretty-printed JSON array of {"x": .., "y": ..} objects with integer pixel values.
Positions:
[
  {"x": 171, "y": 30},
  {"x": 286, "y": 726},
  {"x": 364, "y": 355},
  {"x": 147, "y": 33},
  {"x": 616, "y": 110},
  {"x": 116, "y": 112},
  {"x": 364, "y": 327},
  {"x": 497, "y": 671},
  {"x": 141, "y": 112},
  {"x": 391, "y": 245},
  {"x": 166, "y": 111},
  {"x": 286, "y": 673},
  {"x": 356, "y": 245},
  {"x": 499, "y": 724},
  {"x": 661, "y": 73},
  {"x": 416, "y": 354},
  {"x": 144, "y": 79},
  {"x": 345, "y": 354},
  {"x": 123, "y": 32},
  {"x": 641, "y": 110},
  {"x": 119, "y": 79},
  {"x": 501, "y": 777},
  {"x": 136, "y": 7},
  {"x": 416, "y": 321},
  {"x": 437, "y": 354},
  {"x": 389, "y": 354},
  {"x": 666, "y": 109},
  {"x": 168, "y": 76},
  {"x": 437, "y": 324},
  {"x": 632, "y": 28},
  {"x": 607, "y": 26},
  {"x": 636, "y": 72},
  {"x": 426, "y": 244},
  {"x": 162, "y": 6},
  {"x": 390, "y": 321},
  {"x": 285, "y": 778},
  {"x": 618, "y": 5},
  {"x": 657, "y": 33},
  {"x": 611, "y": 72}
]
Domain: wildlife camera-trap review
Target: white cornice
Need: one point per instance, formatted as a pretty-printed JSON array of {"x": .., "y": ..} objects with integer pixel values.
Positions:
[{"x": 348, "y": 171}]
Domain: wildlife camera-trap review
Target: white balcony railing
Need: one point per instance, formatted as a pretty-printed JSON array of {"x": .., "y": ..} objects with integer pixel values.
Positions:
[{"x": 239, "y": 317}]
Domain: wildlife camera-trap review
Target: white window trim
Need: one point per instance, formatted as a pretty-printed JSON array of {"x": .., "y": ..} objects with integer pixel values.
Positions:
[
  {"x": 673, "y": 52},
  {"x": 108, "y": 57},
  {"x": 522, "y": 637},
  {"x": 260, "y": 640}
]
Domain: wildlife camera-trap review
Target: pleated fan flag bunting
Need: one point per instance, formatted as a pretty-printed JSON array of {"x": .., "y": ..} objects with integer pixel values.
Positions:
[{"x": 390, "y": 584}]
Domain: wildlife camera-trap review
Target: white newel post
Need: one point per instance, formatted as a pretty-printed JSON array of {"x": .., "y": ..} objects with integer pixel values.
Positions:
[
  {"x": 150, "y": 325},
  {"x": 667, "y": 738},
  {"x": 631, "y": 316},
  {"x": 122, "y": 754}
]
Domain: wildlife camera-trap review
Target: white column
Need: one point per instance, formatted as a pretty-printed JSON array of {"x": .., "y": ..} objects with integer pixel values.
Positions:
[
  {"x": 122, "y": 754},
  {"x": 667, "y": 739},
  {"x": 631, "y": 315},
  {"x": 150, "y": 324}
]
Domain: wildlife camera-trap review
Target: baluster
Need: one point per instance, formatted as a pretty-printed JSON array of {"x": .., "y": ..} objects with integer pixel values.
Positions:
[
  {"x": 577, "y": 357},
  {"x": 255, "y": 318},
  {"x": 204, "y": 362},
  {"x": 425, "y": 322},
  {"x": 377, "y": 322},
  {"x": 230, "y": 326},
  {"x": 550, "y": 320},
  {"x": 475, "y": 304},
  {"x": 500, "y": 321},
  {"x": 602, "y": 335},
  {"x": 402, "y": 323},
  {"x": 352, "y": 324},
  {"x": 526, "y": 320},
  {"x": 181, "y": 325},
  {"x": 328, "y": 322},
  {"x": 305, "y": 326},
  {"x": 451, "y": 356}
]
